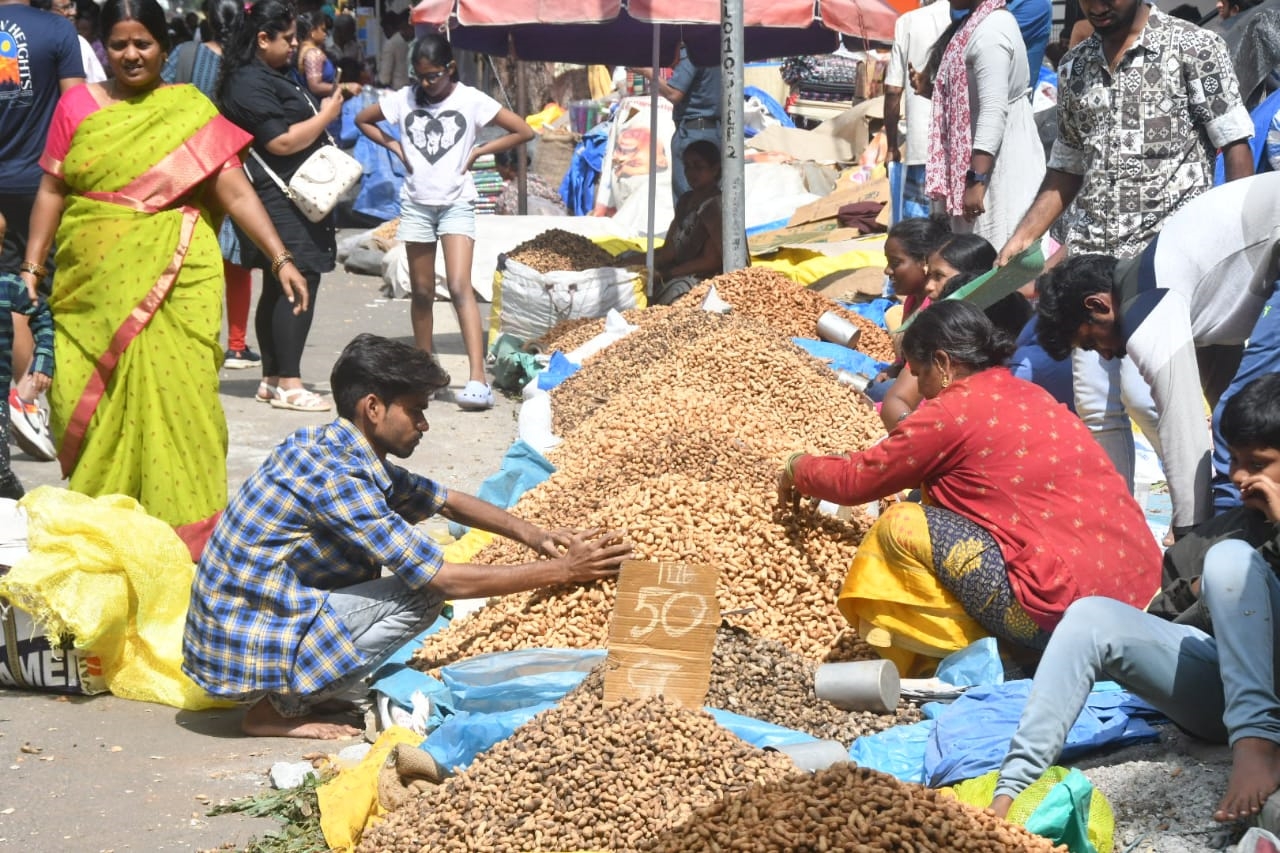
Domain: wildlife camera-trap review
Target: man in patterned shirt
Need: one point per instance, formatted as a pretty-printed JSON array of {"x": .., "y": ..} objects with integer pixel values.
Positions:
[
  {"x": 289, "y": 611},
  {"x": 1144, "y": 104}
]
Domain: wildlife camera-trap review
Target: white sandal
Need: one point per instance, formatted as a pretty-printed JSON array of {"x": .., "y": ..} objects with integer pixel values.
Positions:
[
  {"x": 474, "y": 397},
  {"x": 266, "y": 393},
  {"x": 300, "y": 400}
]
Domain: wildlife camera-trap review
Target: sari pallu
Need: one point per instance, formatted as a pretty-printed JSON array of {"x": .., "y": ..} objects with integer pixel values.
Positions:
[{"x": 137, "y": 308}]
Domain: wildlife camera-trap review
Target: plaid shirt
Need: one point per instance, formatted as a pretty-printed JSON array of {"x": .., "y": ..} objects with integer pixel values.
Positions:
[
  {"x": 323, "y": 512},
  {"x": 1144, "y": 139},
  {"x": 15, "y": 299}
]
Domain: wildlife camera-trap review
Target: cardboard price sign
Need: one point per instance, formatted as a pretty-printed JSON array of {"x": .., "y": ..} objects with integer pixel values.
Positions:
[{"x": 663, "y": 632}]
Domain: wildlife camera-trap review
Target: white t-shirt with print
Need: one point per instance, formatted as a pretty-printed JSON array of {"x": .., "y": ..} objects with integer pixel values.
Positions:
[{"x": 437, "y": 139}]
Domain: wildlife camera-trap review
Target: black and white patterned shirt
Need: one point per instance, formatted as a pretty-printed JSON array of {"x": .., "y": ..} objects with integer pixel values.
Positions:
[{"x": 1145, "y": 138}]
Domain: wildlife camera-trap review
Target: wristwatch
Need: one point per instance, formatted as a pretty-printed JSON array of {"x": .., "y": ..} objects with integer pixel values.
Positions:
[{"x": 972, "y": 177}]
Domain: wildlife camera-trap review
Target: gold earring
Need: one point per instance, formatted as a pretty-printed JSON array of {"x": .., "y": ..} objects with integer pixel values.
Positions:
[{"x": 946, "y": 380}]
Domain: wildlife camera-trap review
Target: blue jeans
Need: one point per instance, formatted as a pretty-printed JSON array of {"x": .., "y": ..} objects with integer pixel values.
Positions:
[
  {"x": 915, "y": 201},
  {"x": 1219, "y": 687},
  {"x": 1261, "y": 356},
  {"x": 380, "y": 616}
]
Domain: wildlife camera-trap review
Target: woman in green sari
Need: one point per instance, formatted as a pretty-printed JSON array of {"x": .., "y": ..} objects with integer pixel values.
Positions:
[{"x": 138, "y": 176}]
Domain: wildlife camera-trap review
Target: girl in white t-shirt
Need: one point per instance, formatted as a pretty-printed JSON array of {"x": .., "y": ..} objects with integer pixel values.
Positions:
[{"x": 438, "y": 119}]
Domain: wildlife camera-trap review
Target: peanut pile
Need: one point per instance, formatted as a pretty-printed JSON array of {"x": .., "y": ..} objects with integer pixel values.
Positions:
[
  {"x": 789, "y": 308},
  {"x": 585, "y": 775},
  {"x": 558, "y": 250},
  {"x": 843, "y": 808},
  {"x": 682, "y": 452},
  {"x": 764, "y": 295},
  {"x": 568, "y": 335}
]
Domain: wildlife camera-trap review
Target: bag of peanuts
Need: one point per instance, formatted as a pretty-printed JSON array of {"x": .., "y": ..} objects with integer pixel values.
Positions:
[{"x": 528, "y": 303}]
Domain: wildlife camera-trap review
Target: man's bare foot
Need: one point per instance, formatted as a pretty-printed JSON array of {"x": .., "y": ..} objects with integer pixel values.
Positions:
[
  {"x": 1001, "y": 805},
  {"x": 1255, "y": 775},
  {"x": 262, "y": 720}
]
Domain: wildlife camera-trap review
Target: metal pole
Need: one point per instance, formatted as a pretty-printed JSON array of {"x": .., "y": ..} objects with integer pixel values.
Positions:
[
  {"x": 653, "y": 156},
  {"x": 522, "y": 154},
  {"x": 733, "y": 185}
]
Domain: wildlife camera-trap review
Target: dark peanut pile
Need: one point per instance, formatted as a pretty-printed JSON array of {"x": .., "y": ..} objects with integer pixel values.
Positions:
[
  {"x": 763, "y": 679},
  {"x": 558, "y": 250},
  {"x": 843, "y": 808}
]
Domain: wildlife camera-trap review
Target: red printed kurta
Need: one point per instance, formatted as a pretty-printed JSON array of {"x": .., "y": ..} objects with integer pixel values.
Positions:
[{"x": 1003, "y": 453}]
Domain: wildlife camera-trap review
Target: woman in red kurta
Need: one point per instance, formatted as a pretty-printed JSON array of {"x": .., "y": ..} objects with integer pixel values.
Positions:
[{"x": 1023, "y": 513}]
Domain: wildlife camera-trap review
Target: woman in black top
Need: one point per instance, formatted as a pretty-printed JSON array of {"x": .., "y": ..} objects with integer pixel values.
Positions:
[{"x": 257, "y": 91}]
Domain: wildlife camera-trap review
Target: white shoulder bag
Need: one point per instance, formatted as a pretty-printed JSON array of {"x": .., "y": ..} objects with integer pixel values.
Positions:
[{"x": 325, "y": 178}]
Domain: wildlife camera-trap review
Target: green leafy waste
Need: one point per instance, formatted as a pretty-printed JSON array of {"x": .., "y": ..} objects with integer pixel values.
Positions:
[{"x": 297, "y": 808}]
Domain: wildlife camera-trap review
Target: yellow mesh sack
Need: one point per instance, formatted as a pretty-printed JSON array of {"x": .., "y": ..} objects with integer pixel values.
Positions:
[
  {"x": 979, "y": 791},
  {"x": 118, "y": 581}
]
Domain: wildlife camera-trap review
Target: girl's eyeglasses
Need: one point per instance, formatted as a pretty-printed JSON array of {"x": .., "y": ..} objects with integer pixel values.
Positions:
[{"x": 433, "y": 76}]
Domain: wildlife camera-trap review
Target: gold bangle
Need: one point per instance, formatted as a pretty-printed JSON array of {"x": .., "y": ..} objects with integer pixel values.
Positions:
[
  {"x": 278, "y": 262},
  {"x": 35, "y": 269},
  {"x": 790, "y": 467}
]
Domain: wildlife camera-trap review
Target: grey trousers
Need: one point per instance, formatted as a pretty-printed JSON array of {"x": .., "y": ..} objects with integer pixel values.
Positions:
[
  {"x": 1219, "y": 688},
  {"x": 381, "y": 616}
]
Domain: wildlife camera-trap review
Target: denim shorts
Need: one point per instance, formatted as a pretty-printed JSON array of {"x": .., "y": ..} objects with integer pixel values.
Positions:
[{"x": 426, "y": 223}]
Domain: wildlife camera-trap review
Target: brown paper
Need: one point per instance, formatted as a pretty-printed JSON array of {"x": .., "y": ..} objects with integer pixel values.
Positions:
[{"x": 663, "y": 632}]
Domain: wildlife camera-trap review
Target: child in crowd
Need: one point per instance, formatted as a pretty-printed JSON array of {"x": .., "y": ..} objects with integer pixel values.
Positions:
[
  {"x": 693, "y": 249},
  {"x": 907, "y": 251},
  {"x": 1214, "y": 679},
  {"x": 438, "y": 119},
  {"x": 15, "y": 298}
]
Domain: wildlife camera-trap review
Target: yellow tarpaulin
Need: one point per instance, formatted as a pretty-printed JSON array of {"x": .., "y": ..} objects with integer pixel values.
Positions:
[
  {"x": 806, "y": 267},
  {"x": 119, "y": 581}
]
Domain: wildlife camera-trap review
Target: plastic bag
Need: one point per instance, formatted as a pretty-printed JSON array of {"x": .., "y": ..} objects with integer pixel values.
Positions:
[
  {"x": 558, "y": 370},
  {"x": 120, "y": 588},
  {"x": 513, "y": 368},
  {"x": 757, "y": 732},
  {"x": 898, "y": 751},
  {"x": 973, "y": 733},
  {"x": 523, "y": 467},
  {"x": 1062, "y": 805},
  {"x": 1257, "y": 840},
  {"x": 465, "y": 735},
  {"x": 384, "y": 174},
  {"x": 840, "y": 357},
  {"x": 897, "y": 188},
  {"x": 503, "y": 681},
  {"x": 976, "y": 664}
]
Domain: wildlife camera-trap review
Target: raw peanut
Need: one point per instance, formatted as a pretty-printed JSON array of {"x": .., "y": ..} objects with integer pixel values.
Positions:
[{"x": 556, "y": 250}]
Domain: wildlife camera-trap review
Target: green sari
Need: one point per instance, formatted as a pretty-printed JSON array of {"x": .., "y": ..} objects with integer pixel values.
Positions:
[{"x": 137, "y": 305}]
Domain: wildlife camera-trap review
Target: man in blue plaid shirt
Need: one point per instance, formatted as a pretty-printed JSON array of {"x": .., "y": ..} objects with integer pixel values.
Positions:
[{"x": 289, "y": 611}]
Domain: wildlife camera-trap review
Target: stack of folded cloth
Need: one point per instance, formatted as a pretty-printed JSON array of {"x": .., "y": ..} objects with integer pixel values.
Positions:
[{"x": 488, "y": 183}]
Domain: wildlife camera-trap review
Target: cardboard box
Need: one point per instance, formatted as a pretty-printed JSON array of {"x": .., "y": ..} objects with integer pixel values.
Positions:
[
  {"x": 839, "y": 140},
  {"x": 846, "y": 193},
  {"x": 663, "y": 632},
  {"x": 826, "y": 231}
]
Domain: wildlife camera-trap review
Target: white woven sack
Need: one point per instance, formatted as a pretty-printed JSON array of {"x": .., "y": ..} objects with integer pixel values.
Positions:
[{"x": 532, "y": 302}]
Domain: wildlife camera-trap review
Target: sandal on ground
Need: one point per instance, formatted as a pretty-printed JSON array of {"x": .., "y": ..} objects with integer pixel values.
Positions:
[
  {"x": 300, "y": 400},
  {"x": 474, "y": 397},
  {"x": 266, "y": 393}
]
